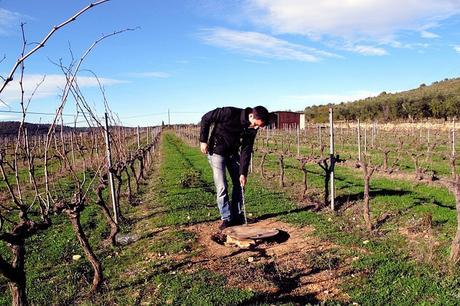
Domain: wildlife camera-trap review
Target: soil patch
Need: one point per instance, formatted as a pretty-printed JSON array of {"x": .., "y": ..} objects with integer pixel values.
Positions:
[
  {"x": 421, "y": 241},
  {"x": 299, "y": 267}
]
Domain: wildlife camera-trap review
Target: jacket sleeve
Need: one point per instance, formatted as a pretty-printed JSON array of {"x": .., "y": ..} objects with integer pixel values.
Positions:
[
  {"x": 246, "y": 151},
  {"x": 209, "y": 118}
]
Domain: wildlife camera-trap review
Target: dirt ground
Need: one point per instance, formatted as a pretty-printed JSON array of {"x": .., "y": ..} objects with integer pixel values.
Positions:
[{"x": 294, "y": 266}]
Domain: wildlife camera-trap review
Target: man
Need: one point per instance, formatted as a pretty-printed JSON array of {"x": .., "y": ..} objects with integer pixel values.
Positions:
[{"x": 230, "y": 147}]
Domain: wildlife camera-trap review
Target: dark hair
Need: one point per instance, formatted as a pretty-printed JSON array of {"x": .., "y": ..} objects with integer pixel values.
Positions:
[{"x": 260, "y": 112}]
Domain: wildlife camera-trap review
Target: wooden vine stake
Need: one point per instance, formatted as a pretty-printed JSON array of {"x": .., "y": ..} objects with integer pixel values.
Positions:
[{"x": 109, "y": 165}]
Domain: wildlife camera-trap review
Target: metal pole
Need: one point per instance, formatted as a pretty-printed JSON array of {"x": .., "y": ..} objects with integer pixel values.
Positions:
[
  {"x": 373, "y": 135},
  {"x": 26, "y": 143},
  {"x": 71, "y": 139},
  {"x": 359, "y": 142},
  {"x": 72, "y": 148},
  {"x": 331, "y": 156},
  {"x": 365, "y": 138},
  {"x": 138, "y": 138},
  {"x": 109, "y": 163},
  {"x": 319, "y": 135},
  {"x": 243, "y": 206},
  {"x": 453, "y": 137},
  {"x": 266, "y": 137},
  {"x": 148, "y": 132},
  {"x": 298, "y": 140}
]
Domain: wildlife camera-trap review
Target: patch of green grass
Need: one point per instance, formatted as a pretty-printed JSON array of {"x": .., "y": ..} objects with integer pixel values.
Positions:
[
  {"x": 198, "y": 288},
  {"x": 173, "y": 242},
  {"x": 49, "y": 264},
  {"x": 185, "y": 188},
  {"x": 395, "y": 280}
]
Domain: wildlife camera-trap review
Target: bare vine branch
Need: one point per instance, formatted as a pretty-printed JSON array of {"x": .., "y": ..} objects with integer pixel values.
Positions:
[{"x": 9, "y": 78}]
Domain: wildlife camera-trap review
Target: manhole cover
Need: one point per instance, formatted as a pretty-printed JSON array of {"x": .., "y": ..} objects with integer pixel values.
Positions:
[{"x": 250, "y": 232}]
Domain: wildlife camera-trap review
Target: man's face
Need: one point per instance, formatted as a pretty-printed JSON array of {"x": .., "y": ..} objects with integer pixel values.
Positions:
[{"x": 255, "y": 123}]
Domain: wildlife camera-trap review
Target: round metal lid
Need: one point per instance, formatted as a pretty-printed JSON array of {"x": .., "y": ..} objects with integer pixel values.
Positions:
[{"x": 250, "y": 232}]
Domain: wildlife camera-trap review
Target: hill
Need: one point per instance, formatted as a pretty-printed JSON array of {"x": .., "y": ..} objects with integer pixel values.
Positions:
[
  {"x": 440, "y": 100},
  {"x": 10, "y": 128}
]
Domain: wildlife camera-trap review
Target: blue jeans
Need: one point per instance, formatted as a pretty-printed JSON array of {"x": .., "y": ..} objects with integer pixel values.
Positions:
[{"x": 228, "y": 209}]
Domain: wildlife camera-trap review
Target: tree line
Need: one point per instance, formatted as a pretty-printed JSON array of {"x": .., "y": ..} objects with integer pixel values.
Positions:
[
  {"x": 440, "y": 100},
  {"x": 11, "y": 128}
]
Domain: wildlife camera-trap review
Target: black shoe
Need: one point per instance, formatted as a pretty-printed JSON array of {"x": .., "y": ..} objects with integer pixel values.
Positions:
[
  {"x": 225, "y": 224},
  {"x": 239, "y": 220}
]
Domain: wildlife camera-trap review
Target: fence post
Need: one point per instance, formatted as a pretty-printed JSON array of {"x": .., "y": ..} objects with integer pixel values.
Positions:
[
  {"x": 319, "y": 135},
  {"x": 359, "y": 142},
  {"x": 453, "y": 136},
  {"x": 148, "y": 132},
  {"x": 298, "y": 140},
  {"x": 109, "y": 163},
  {"x": 373, "y": 135},
  {"x": 72, "y": 148},
  {"x": 365, "y": 138},
  {"x": 138, "y": 138},
  {"x": 331, "y": 156}
]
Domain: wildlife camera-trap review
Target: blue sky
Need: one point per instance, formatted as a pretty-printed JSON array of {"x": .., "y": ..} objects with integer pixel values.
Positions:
[{"x": 190, "y": 56}]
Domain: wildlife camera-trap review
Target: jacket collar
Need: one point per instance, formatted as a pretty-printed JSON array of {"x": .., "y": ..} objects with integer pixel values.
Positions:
[{"x": 245, "y": 117}]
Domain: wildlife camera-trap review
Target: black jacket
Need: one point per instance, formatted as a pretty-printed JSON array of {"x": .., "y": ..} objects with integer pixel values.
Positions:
[{"x": 230, "y": 132}]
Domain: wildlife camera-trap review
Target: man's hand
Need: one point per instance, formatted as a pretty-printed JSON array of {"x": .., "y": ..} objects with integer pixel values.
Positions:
[
  {"x": 204, "y": 147},
  {"x": 242, "y": 180}
]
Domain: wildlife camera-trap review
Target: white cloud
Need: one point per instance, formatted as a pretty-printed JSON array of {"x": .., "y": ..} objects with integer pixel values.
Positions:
[
  {"x": 427, "y": 34},
  {"x": 397, "y": 44},
  {"x": 377, "y": 21},
  {"x": 315, "y": 99},
  {"x": 150, "y": 74},
  {"x": 371, "y": 26},
  {"x": 9, "y": 20},
  {"x": 255, "y": 61},
  {"x": 262, "y": 45},
  {"x": 51, "y": 87},
  {"x": 8, "y": 117},
  {"x": 367, "y": 50},
  {"x": 457, "y": 48}
]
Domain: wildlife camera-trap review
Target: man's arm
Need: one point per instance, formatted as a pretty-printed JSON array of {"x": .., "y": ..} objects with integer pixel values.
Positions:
[
  {"x": 246, "y": 152},
  {"x": 209, "y": 118}
]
